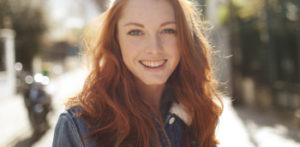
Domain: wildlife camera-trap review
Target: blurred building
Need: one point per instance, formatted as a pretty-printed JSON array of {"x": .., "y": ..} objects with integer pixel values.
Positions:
[
  {"x": 66, "y": 21},
  {"x": 48, "y": 35},
  {"x": 66, "y": 16}
]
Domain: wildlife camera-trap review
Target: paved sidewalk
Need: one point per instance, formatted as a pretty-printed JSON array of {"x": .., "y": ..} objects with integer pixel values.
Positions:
[
  {"x": 249, "y": 127},
  {"x": 231, "y": 132},
  {"x": 266, "y": 130},
  {"x": 14, "y": 124}
]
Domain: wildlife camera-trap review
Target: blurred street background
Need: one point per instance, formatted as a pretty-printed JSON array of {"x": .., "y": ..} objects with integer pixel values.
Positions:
[{"x": 256, "y": 45}]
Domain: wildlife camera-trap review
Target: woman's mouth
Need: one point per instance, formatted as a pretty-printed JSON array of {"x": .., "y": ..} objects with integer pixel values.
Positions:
[{"x": 152, "y": 63}]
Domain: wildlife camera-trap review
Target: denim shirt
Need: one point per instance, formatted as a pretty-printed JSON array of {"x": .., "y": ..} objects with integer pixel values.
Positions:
[{"x": 71, "y": 129}]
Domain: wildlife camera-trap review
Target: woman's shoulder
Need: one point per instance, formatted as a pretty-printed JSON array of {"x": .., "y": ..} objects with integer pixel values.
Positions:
[
  {"x": 73, "y": 113},
  {"x": 71, "y": 129},
  {"x": 72, "y": 116}
]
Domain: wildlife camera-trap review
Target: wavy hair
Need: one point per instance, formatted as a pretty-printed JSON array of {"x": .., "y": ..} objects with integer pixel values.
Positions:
[{"x": 110, "y": 99}]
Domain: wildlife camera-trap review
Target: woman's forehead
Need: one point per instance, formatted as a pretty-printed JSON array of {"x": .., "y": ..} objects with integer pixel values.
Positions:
[{"x": 147, "y": 11}]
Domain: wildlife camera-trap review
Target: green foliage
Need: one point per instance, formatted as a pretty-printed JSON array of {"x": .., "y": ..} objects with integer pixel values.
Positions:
[{"x": 223, "y": 13}]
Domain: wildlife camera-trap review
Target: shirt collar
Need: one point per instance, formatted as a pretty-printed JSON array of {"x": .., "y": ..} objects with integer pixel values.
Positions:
[{"x": 166, "y": 101}]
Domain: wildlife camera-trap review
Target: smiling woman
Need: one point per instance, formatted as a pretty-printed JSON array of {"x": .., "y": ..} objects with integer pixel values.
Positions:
[{"x": 153, "y": 87}]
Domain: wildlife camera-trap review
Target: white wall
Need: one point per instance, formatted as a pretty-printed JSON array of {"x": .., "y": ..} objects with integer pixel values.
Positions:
[
  {"x": 220, "y": 41},
  {"x": 7, "y": 77}
]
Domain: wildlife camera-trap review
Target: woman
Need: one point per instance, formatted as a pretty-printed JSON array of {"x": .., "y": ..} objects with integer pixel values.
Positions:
[{"x": 150, "y": 83}]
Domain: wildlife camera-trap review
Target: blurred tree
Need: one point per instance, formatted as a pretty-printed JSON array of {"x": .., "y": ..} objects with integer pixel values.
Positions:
[
  {"x": 26, "y": 19},
  {"x": 265, "y": 40}
]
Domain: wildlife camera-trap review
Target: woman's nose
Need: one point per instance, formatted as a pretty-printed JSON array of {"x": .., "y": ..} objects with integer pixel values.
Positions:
[{"x": 155, "y": 45}]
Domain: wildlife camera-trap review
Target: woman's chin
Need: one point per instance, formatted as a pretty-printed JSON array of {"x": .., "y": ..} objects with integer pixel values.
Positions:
[{"x": 154, "y": 82}]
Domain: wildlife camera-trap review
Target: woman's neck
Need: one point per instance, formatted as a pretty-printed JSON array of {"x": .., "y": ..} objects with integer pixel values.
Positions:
[{"x": 152, "y": 93}]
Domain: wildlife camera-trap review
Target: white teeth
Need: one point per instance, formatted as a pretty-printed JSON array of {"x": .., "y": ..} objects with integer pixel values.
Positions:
[{"x": 153, "y": 63}]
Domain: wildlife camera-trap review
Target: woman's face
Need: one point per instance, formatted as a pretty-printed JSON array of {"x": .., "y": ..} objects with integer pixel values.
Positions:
[{"x": 147, "y": 37}]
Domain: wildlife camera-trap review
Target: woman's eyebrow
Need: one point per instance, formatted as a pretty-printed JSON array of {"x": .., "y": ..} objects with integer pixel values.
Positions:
[
  {"x": 167, "y": 23},
  {"x": 142, "y": 26},
  {"x": 135, "y": 24}
]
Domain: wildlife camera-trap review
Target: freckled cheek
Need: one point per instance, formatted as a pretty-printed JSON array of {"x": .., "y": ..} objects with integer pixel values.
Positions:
[
  {"x": 135, "y": 46},
  {"x": 130, "y": 51},
  {"x": 172, "y": 47}
]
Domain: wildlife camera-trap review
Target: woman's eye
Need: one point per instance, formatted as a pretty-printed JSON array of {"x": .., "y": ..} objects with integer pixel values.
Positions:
[
  {"x": 169, "y": 31},
  {"x": 135, "y": 33}
]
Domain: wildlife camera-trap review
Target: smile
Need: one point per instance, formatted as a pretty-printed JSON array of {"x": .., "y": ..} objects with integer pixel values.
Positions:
[{"x": 153, "y": 64}]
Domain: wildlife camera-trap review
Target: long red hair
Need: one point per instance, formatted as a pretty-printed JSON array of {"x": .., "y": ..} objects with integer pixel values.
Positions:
[{"x": 110, "y": 99}]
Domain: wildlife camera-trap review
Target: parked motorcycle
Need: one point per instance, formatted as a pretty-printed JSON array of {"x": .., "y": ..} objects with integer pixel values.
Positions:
[{"x": 38, "y": 103}]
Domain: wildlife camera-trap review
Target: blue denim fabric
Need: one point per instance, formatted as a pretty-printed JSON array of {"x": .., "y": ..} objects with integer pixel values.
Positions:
[{"x": 71, "y": 130}]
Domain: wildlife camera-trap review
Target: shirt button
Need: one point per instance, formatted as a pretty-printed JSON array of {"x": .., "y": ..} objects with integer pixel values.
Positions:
[{"x": 171, "y": 120}]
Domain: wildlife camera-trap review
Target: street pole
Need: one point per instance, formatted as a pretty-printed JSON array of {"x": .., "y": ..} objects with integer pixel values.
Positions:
[{"x": 272, "y": 72}]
